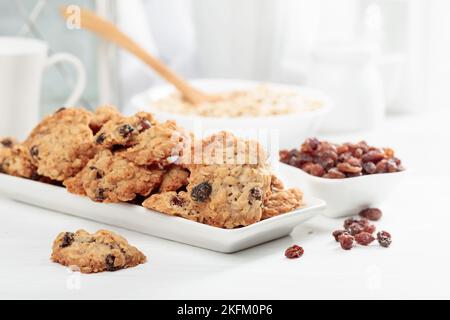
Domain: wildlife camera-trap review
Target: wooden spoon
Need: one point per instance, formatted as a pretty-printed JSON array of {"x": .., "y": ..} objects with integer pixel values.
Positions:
[{"x": 89, "y": 20}]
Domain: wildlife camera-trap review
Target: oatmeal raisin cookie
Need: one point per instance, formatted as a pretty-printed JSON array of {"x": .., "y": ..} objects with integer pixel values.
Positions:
[
  {"x": 98, "y": 252},
  {"x": 174, "y": 204},
  {"x": 174, "y": 179},
  {"x": 102, "y": 115},
  {"x": 123, "y": 132},
  {"x": 161, "y": 144},
  {"x": 15, "y": 160},
  {"x": 109, "y": 177},
  {"x": 282, "y": 201},
  {"x": 62, "y": 144}
]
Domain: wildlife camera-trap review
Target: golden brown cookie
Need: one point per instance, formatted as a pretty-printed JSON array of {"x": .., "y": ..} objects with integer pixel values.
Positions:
[
  {"x": 226, "y": 189},
  {"x": 282, "y": 201},
  {"x": 109, "y": 177},
  {"x": 175, "y": 178},
  {"x": 174, "y": 204},
  {"x": 225, "y": 148},
  {"x": 161, "y": 144},
  {"x": 91, "y": 253},
  {"x": 102, "y": 115},
  {"x": 15, "y": 159},
  {"x": 62, "y": 144},
  {"x": 232, "y": 195},
  {"x": 123, "y": 131}
]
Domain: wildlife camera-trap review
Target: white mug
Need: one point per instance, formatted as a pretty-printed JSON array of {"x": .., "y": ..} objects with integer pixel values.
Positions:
[{"x": 22, "y": 64}]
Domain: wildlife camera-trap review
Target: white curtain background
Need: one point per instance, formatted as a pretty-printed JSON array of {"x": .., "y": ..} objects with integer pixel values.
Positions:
[{"x": 272, "y": 40}]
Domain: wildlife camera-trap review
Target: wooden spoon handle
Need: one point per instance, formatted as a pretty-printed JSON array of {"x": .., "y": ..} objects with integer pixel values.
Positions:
[{"x": 109, "y": 31}]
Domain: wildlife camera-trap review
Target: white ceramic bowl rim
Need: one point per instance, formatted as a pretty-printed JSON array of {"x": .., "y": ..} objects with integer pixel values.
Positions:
[{"x": 146, "y": 97}]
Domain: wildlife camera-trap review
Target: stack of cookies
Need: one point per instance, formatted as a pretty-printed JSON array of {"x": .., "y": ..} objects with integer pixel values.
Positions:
[{"x": 222, "y": 180}]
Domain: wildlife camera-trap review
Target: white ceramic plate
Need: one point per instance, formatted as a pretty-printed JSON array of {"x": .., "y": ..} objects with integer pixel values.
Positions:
[
  {"x": 156, "y": 224},
  {"x": 300, "y": 125}
]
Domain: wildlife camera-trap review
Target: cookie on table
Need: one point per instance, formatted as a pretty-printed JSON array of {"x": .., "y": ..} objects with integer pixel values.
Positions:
[
  {"x": 98, "y": 252},
  {"x": 102, "y": 115},
  {"x": 109, "y": 177},
  {"x": 62, "y": 144},
  {"x": 174, "y": 204},
  {"x": 15, "y": 159},
  {"x": 175, "y": 178},
  {"x": 161, "y": 144},
  {"x": 123, "y": 131}
]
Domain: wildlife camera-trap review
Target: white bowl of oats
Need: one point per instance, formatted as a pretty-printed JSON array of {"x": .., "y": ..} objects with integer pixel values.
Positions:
[{"x": 279, "y": 112}]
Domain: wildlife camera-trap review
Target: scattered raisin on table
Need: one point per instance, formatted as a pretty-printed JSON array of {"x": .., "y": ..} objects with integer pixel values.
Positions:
[
  {"x": 346, "y": 241},
  {"x": 364, "y": 238},
  {"x": 354, "y": 226},
  {"x": 370, "y": 228},
  {"x": 384, "y": 238},
  {"x": 338, "y": 233},
  {"x": 373, "y": 214},
  {"x": 294, "y": 252}
]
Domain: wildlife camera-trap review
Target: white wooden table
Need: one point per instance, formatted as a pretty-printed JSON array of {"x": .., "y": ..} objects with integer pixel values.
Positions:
[{"x": 416, "y": 266}]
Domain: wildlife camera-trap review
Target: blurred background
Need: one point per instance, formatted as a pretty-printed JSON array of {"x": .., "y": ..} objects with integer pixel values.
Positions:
[{"x": 323, "y": 43}]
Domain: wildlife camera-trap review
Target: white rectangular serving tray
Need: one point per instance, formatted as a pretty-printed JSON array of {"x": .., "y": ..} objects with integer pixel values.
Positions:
[{"x": 146, "y": 221}]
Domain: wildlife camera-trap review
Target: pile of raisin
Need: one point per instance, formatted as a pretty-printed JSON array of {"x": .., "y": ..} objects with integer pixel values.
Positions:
[
  {"x": 327, "y": 160},
  {"x": 361, "y": 231}
]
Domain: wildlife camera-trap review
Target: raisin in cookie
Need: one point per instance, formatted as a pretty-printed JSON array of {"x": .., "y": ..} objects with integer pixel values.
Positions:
[
  {"x": 102, "y": 115},
  {"x": 174, "y": 179},
  {"x": 161, "y": 144},
  {"x": 122, "y": 131},
  {"x": 91, "y": 253},
  {"x": 174, "y": 204},
  {"x": 62, "y": 144},
  {"x": 7, "y": 143},
  {"x": 109, "y": 177}
]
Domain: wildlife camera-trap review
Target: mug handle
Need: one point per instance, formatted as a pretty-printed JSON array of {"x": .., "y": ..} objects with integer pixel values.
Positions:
[{"x": 80, "y": 84}]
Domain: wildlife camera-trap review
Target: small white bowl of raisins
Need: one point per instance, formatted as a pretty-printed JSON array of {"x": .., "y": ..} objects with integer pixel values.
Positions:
[{"x": 349, "y": 176}]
